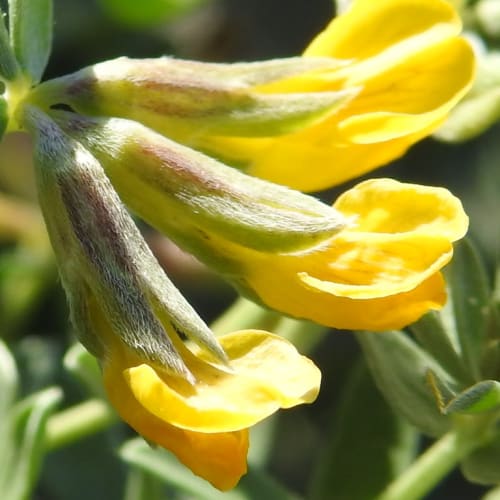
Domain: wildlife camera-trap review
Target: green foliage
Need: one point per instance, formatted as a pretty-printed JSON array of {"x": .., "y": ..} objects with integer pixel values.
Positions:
[
  {"x": 256, "y": 485},
  {"x": 30, "y": 23},
  {"x": 22, "y": 431},
  {"x": 367, "y": 440},
  {"x": 400, "y": 366},
  {"x": 8, "y": 63},
  {"x": 470, "y": 298},
  {"x": 147, "y": 12},
  {"x": 481, "y": 397}
]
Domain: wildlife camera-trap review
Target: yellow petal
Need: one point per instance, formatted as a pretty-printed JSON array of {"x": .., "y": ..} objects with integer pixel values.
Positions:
[
  {"x": 378, "y": 314},
  {"x": 389, "y": 206},
  {"x": 411, "y": 68},
  {"x": 369, "y": 27},
  {"x": 268, "y": 374},
  {"x": 395, "y": 109},
  {"x": 409, "y": 96},
  {"x": 312, "y": 160},
  {"x": 220, "y": 458},
  {"x": 367, "y": 266},
  {"x": 381, "y": 273}
]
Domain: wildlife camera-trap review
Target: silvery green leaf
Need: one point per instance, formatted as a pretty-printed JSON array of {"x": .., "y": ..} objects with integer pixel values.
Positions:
[
  {"x": 481, "y": 466},
  {"x": 166, "y": 467},
  {"x": 30, "y": 23},
  {"x": 481, "y": 397},
  {"x": 9, "y": 68},
  {"x": 81, "y": 364},
  {"x": 366, "y": 439},
  {"x": 470, "y": 300},
  {"x": 400, "y": 368},
  {"x": 24, "y": 451}
]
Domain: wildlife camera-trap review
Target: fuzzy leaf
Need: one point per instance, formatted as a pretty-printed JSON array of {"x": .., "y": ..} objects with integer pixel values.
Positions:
[
  {"x": 376, "y": 449},
  {"x": 256, "y": 484},
  {"x": 400, "y": 367},
  {"x": 25, "y": 450},
  {"x": 31, "y": 34},
  {"x": 470, "y": 297},
  {"x": 481, "y": 397}
]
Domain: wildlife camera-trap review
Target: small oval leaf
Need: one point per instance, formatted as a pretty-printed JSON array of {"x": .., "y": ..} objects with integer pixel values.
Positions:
[
  {"x": 30, "y": 23},
  {"x": 481, "y": 397}
]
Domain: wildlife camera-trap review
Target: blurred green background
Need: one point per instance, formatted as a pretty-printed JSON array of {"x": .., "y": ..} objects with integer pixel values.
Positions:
[{"x": 33, "y": 314}]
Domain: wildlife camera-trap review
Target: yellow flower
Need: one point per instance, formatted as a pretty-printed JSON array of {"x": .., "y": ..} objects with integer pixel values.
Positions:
[
  {"x": 381, "y": 273},
  {"x": 378, "y": 270},
  {"x": 411, "y": 68},
  {"x": 197, "y": 398},
  {"x": 205, "y": 424},
  {"x": 380, "y": 77}
]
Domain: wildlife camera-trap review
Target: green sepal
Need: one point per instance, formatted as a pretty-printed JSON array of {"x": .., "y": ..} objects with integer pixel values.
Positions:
[
  {"x": 481, "y": 466},
  {"x": 9, "y": 68},
  {"x": 174, "y": 187},
  {"x": 441, "y": 390},
  {"x": 480, "y": 108},
  {"x": 437, "y": 335},
  {"x": 4, "y": 116},
  {"x": 470, "y": 300},
  {"x": 187, "y": 99},
  {"x": 30, "y": 26},
  {"x": 116, "y": 289},
  {"x": 141, "y": 485},
  {"x": 23, "y": 452},
  {"x": 163, "y": 465},
  {"x": 83, "y": 366},
  {"x": 481, "y": 397},
  {"x": 8, "y": 381},
  {"x": 367, "y": 439},
  {"x": 400, "y": 369}
]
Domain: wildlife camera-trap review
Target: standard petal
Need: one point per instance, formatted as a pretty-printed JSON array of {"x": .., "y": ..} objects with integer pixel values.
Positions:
[
  {"x": 267, "y": 374},
  {"x": 389, "y": 206},
  {"x": 410, "y": 69},
  {"x": 364, "y": 30},
  {"x": 408, "y": 96}
]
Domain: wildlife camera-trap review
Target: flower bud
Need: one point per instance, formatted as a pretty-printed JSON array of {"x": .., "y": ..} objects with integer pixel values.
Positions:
[
  {"x": 354, "y": 101},
  {"x": 379, "y": 271},
  {"x": 197, "y": 192},
  {"x": 129, "y": 315},
  {"x": 186, "y": 98},
  {"x": 105, "y": 265}
]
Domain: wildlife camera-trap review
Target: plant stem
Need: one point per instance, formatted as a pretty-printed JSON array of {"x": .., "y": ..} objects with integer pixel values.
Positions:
[
  {"x": 434, "y": 464},
  {"x": 303, "y": 334},
  {"x": 244, "y": 314},
  {"x": 78, "y": 422}
]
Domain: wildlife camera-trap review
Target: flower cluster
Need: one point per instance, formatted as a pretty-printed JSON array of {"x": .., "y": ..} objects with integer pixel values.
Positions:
[{"x": 209, "y": 154}]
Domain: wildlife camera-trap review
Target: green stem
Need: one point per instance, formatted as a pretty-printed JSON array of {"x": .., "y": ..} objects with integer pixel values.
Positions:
[
  {"x": 303, "y": 334},
  {"x": 244, "y": 314},
  {"x": 434, "y": 464},
  {"x": 78, "y": 422}
]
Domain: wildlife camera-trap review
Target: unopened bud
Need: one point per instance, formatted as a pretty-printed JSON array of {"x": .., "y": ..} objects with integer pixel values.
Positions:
[
  {"x": 161, "y": 179},
  {"x": 111, "y": 278},
  {"x": 184, "y": 98}
]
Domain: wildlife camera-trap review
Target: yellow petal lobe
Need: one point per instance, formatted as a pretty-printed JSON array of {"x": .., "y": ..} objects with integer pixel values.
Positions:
[
  {"x": 220, "y": 458},
  {"x": 357, "y": 35},
  {"x": 267, "y": 374}
]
